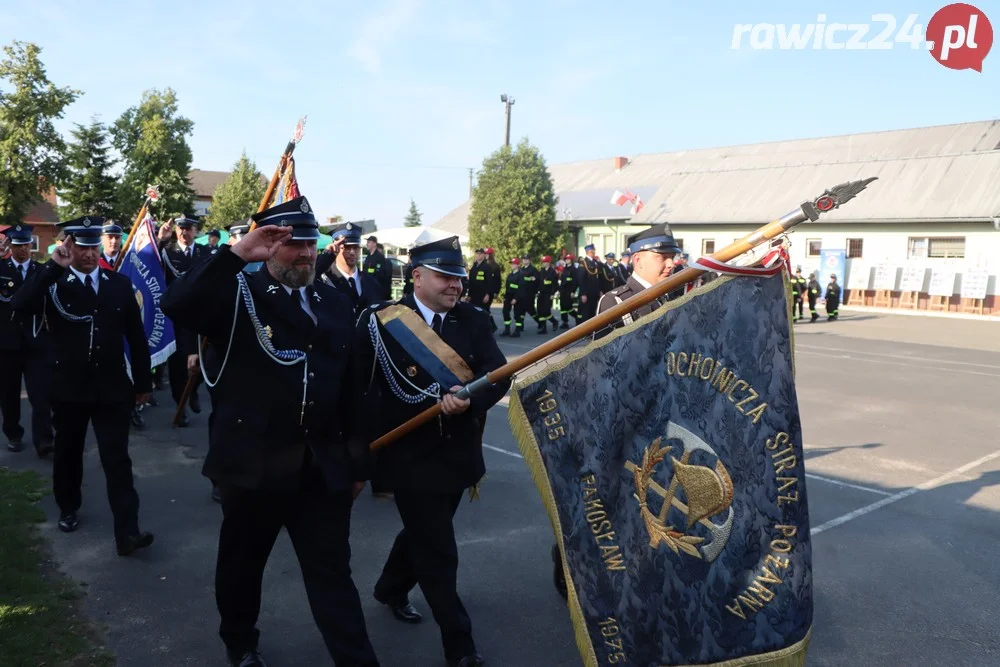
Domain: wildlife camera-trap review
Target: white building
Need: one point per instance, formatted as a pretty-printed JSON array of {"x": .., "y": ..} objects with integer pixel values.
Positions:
[{"x": 936, "y": 205}]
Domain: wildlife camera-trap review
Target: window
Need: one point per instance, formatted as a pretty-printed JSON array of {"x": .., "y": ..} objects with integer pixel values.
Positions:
[
  {"x": 34, "y": 243},
  {"x": 942, "y": 247},
  {"x": 854, "y": 247},
  {"x": 813, "y": 247},
  {"x": 707, "y": 246}
]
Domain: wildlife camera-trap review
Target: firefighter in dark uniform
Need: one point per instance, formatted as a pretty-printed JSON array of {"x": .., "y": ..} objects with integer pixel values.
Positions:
[
  {"x": 431, "y": 467},
  {"x": 548, "y": 283},
  {"x": 480, "y": 281},
  {"x": 91, "y": 312},
  {"x": 279, "y": 455},
  {"x": 625, "y": 266},
  {"x": 832, "y": 298},
  {"x": 610, "y": 275},
  {"x": 111, "y": 239},
  {"x": 813, "y": 292},
  {"x": 653, "y": 252},
  {"x": 511, "y": 294},
  {"x": 338, "y": 266},
  {"x": 180, "y": 256},
  {"x": 25, "y": 347},
  {"x": 214, "y": 237},
  {"x": 590, "y": 284},
  {"x": 378, "y": 267},
  {"x": 408, "y": 277},
  {"x": 569, "y": 283},
  {"x": 799, "y": 289},
  {"x": 526, "y": 299}
]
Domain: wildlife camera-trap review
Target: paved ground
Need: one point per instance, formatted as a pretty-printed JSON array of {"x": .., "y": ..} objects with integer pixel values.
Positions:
[{"x": 901, "y": 417}]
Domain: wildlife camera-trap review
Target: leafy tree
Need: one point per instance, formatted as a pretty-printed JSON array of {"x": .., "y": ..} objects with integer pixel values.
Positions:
[
  {"x": 238, "y": 196},
  {"x": 89, "y": 189},
  {"x": 412, "y": 218},
  {"x": 152, "y": 140},
  {"x": 514, "y": 205},
  {"x": 31, "y": 151}
]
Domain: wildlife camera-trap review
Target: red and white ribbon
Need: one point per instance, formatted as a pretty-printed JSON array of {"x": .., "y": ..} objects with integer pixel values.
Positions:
[{"x": 773, "y": 262}]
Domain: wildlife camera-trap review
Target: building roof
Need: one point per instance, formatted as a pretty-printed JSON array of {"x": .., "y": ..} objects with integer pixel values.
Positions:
[
  {"x": 941, "y": 173},
  {"x": 42, "y": 213},
  {"x": 204, "y": 182}
]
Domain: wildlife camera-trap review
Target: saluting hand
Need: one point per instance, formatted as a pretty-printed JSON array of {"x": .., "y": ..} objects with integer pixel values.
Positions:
[
  {"x": 166, "y": 231},
  {"x": 61, "y": 255},
  {"x": 452, "y": 405},
  {"x": 261, "y": 244}
]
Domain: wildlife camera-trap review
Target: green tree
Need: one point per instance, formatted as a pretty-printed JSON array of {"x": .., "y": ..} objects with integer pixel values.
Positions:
[
  {"x": 412, "y": 218},
  {"x": 152, "y": 140},
  {"x": 89, "y": 188},
  {"x": 238, "y": 196},
  {"x": 31, "y": 151},
  {"x": 514, "y": 205}
]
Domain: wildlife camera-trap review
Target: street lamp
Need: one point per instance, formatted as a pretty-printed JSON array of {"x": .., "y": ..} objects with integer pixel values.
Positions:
[{"x": 508, "y": 103}]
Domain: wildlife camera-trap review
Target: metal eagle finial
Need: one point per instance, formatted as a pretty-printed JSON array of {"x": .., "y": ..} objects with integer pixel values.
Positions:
[{"x": 835, "y": 197}]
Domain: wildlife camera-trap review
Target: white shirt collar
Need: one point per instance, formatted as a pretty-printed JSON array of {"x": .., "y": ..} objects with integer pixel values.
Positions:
[
  {"x": 26, "y": 263},
  {"x": 640, "y": 280},
  {"x": 427, "y": 313},
  {"x": 288, "y": 290},
  {"x": 94, "y": 275}
]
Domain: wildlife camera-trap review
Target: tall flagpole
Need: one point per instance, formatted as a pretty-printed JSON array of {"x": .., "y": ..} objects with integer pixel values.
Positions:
[
  {"x": 265, "y": 203},
  {"x": 152, "y": 195},
  {"x": 810, "y": 210}
]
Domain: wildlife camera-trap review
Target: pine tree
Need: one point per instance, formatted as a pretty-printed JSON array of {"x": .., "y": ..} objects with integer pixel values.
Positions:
[
  {"x": 90, "y": 187},
  {"x": 412, "y": 218},
  {"x": 238, "y": 196}
]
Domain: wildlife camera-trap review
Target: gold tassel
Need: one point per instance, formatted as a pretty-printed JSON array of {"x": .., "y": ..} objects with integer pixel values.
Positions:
[{"x": 474, "y": 489}]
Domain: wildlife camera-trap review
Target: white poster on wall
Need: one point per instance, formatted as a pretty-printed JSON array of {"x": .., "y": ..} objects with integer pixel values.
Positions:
[
  {"x": 885, "y": 277},
  {"x": 858, "y": 277},
  {"x": 913, "y": 279},
  {"x": 942, "y": 282},
  {"x": 974, "y": 284}
]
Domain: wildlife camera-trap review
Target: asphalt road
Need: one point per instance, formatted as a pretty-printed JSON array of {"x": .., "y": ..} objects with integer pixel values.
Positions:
[{"x": 903, "y": 466}]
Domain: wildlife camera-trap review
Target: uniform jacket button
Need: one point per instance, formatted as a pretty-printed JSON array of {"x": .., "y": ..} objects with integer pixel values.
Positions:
[
  {"x": 239, "y": 421},
  {"x": 311, "y": 374},
  {"x": 311, "y": 403}
]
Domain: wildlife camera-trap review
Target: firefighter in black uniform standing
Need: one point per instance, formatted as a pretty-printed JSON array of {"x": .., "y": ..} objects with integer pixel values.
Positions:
[
  {"x": 511, "y": 295},
  {"x": 432, "y": 466},
  {"x": 378, "y": 267},
  {"x": 625, "y": 266},
  {"x": 338, "y": 266},
  {"x": 590, "y": 284},
  {"x": 569, "y": 284},
  {"x": 610, "y": 275},
  {"x": 799, "y": 289},
  {"x": 653, "y": 252},
  {"x": 280, "y": 454},
  {"x": 548, "y": 283},
  {"x": 832, "y": 298},
  {"x": 408, "y": 277},
  {"x": 24, "y": 345},
  {"x": 179, "y": 256},
  {"x": 813, "y": 292},
  {"x": 526, "y": 299},
  {"x": 91, "y": 312},
  {"x": 481, "y": 282}
]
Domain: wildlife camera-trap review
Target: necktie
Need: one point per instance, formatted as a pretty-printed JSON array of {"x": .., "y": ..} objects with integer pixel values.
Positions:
[
  {"x": 354, "y": 285},
  {"x": 88, "y": 282},
  {"x": 436, "y": 323},
  {"x": 303, "y": 304},
  {"x": 23, "y": 270}
]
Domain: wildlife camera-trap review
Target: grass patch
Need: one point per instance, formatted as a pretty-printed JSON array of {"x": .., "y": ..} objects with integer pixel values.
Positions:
[{"x": 39, "y": 622}]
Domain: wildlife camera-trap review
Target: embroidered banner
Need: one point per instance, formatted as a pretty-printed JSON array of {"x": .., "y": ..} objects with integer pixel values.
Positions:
[
  {"x": 669, "y": 457},
  {"x": 142, "y": 266}
]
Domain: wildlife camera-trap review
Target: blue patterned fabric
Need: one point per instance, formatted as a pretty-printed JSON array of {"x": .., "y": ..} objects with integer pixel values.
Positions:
[{"x": 708, "y": 380}]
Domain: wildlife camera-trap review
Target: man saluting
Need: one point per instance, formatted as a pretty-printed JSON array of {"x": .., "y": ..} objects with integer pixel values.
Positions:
[
  {"x": 91, "y": 313},
  {"x": 422, "y": 348},
  {"x": 281, "y": 416}
]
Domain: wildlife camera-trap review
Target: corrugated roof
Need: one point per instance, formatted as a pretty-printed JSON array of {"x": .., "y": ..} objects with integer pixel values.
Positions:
[{"x": 949, "y": 172}]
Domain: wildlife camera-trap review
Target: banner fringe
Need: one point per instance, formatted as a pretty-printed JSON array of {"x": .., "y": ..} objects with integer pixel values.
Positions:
[{"x": 790, "y": 656}]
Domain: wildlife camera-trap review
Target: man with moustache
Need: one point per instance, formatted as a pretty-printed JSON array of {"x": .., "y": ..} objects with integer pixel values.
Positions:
[
  {"x": 420, "y": 349},
  {"x": 282, "y": 415}
]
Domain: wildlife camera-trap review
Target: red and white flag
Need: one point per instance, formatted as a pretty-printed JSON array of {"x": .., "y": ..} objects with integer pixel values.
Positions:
[
  {"x": 621, "y": 198},
  {"x": 636, "y": 205}
]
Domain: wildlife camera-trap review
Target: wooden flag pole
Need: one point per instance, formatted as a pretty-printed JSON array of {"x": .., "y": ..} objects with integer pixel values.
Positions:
[
  {"x": 810, "y": 210},
  {"x": 265, "y": 202},
  {"x": 152, "y": 194}
]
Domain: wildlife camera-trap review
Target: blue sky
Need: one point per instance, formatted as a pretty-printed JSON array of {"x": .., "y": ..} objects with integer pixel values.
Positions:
[{"x": 403, "y": 96}]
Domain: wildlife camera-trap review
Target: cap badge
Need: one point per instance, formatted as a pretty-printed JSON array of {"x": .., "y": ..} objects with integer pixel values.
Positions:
[
  {"x": 86, "y": 222},
  {"x": 412, "y": 371},
  {"x": 304, "y": 206},
  {"x": 18, "y": 228},
  {"x": 350, "y": 226},
  {"x": 271, "y": 289},
  {"x": 454, "y": 243}
]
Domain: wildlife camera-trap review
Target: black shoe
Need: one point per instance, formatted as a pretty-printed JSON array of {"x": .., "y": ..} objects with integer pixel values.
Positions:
[
  {"x": 138, "y": 420},
  {"x": 814, "y": 317},
  {"x": 558, "y": 578},
  {"x": 516, "y": 334},
  {"x": 474, "y": 660},
  {"x": 506, "y": 331},
  {"x": 15, "y": 445},
  {"x": 195, "y": 403},
  {"x": 403, "y": 611},
  {"x": 133, "y": 543},
  {"x": 184, "y": 422},
  {"x": 246, "y": 659},
  {"x": 68, "y": 522},
  {"x": 152, "y": 402},
  {"x": 44, "y": 449}
]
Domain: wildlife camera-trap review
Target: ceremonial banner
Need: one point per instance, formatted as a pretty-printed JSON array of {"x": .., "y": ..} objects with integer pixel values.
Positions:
[
  {"x": 141, "y": 264},
  {"x": 669, "y": 458}
]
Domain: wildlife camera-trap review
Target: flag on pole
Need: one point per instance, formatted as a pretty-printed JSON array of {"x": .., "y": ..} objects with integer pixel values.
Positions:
[
  {"x": 636, "y": 204},
  {"x": 619, "y": 198},
  {"x": 288, "y": 186},
  {"x": 669, "y": 458},
  {"x": 141, "y": 263}
]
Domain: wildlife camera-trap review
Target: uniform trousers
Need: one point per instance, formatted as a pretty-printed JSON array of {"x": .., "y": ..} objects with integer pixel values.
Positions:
[
  {"x": 525, "y": 305},
  {"x": 589, "y": 309},
  {"x": 508, "y": 305},
  {"x": 567, "y": 307},
  {"x": 111, "y": 426},
  {"x": 425, "y": 553},
  {"x": 34, "y": 367},
  {"x": 318, "y": 522},
  {"x": 545, "y": 308},
  {"x": 178, "y": 373}
]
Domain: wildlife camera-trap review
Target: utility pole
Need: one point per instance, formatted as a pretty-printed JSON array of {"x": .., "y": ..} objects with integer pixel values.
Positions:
[
  {"x": 508, "y": 103},
  {"x": 470, "y": 181}
]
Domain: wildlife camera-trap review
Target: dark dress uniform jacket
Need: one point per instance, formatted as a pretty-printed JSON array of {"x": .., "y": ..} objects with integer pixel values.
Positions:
[
  {"x": 101, "y": 375},
  {"x": 328, "y": 272},
  {"x": 175, "y": 264},
  {"x": 446, "y": 454},
  {"x": 480, "y": 282},
  {"x": 609, "y": 301},
  {"x": 17, "y": 330},
  {"x": 379, "y": 268},
  {"x": 256, "y": 440}
]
